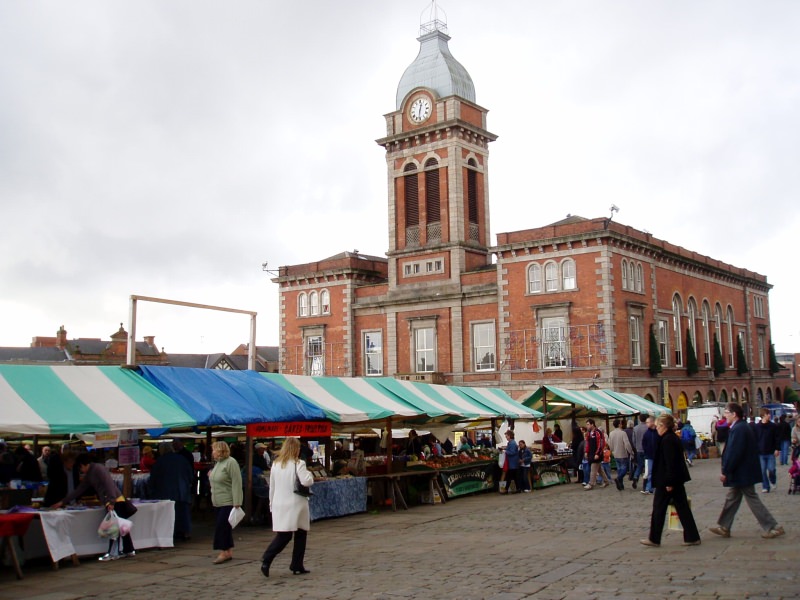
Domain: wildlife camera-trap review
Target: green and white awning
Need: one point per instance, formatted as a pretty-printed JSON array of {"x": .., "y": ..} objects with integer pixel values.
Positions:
[
  {"x": 365, "y": 399},
  {"x": 64, "y": 399},
  {"x": 558, "y": 403}
]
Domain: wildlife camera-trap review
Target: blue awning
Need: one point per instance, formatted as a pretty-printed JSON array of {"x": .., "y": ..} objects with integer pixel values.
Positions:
[{"x": 217, "y": 397}]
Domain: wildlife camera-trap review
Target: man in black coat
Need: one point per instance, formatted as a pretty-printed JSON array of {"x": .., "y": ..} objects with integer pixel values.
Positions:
[
  {"x": 741, "y": 470},
  {"x": 669, "y": 476}
]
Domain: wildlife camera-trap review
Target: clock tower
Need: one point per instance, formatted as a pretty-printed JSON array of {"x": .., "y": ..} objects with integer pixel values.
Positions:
[{"x": 437, "y": 150}]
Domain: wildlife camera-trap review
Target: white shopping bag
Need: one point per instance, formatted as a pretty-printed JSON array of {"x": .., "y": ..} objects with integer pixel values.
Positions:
[{"x": 236, "y": 516}]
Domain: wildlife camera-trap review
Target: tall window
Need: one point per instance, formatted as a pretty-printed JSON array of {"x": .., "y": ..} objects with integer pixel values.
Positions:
[
  {"x": 631, "y": 276},
  {"x": 692, "y": 305},
  {"x": 302, "y": 305},
  {"x": 313, "y": 300},
  {"x": 718, "y": 325},
  {"x": 635, "y": 325},
  {"x": 424, "y": 350},
  {"x": 758, "y": 306},
  {"x": 412, "y": 205},
  {"x": 568, "y": 274},
  {"x": 624, "y": 270},
  {"x": 762, "y": 342},
  {"x": 706, "y": 335},
  {"x": 373, "y": 353},
  {"x": 472, "y": 200},
  {"x": 663, "y": 342},
  {"x": 325, "y": 302},
  {"x": 554, "y": 342},
  {"x": 730, "y": 338},
  {"x": 639, "y": 278},
  {"x": 483, "y": 346},
  {"x": 534, "y": 278},
  {"x": 551, "y": 277},
  {"x": 432, "y": 201},
  {"x": 315, "y": 356},
  {"x": 676, "y": 330}
]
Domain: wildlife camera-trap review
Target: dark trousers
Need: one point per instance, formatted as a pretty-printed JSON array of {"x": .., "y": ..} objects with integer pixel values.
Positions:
[
  {"x": 280, "y": 541},
  {"x": 223, "y": 533},
  {"x": 661, "y": 500}
]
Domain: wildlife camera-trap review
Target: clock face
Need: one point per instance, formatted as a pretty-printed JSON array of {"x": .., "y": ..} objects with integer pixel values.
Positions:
[{"x": 420, "y": 110}]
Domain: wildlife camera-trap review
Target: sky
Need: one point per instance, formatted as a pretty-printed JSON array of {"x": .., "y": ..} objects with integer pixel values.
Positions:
[{"x": 170, "y": 148}]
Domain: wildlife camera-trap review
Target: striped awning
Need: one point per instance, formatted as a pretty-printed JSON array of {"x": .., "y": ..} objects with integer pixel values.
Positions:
[
  {"x": 560, "y": 403},
  {"x": 364, "y": 399},
  {"x": 64, "y": 399},
  {"x": 639, "y": 404}
]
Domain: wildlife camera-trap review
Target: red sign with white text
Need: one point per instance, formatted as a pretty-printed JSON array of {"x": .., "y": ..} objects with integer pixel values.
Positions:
[{"x": 312, "y": 429}]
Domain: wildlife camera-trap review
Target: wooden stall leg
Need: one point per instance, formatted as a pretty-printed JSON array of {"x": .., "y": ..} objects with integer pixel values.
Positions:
[
  {"x": 14, "y": 559},
  {"x": 399, "y": 493}
]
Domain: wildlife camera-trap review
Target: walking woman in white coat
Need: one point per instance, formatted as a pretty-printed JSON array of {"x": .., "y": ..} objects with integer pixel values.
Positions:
[{"x": 290, "y": 513}]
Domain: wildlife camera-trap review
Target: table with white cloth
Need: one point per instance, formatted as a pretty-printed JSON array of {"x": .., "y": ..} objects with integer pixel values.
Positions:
[
  {"x": 338, "y": 497},
  {"x": 64, "y": 533}
]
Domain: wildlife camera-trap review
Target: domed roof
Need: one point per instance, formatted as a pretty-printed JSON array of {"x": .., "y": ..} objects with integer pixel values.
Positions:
[{"x": 436, "y": 69}]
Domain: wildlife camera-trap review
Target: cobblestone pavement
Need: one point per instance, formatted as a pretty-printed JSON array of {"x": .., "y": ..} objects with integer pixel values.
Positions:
[{"x": 558, "y": 543}]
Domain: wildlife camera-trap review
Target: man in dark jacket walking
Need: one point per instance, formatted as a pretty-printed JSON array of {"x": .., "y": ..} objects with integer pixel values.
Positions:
[
  {"x": 768, "y": 449},
  {"x": 649, "y": 441},
  {"x": 740, "y": 472}
]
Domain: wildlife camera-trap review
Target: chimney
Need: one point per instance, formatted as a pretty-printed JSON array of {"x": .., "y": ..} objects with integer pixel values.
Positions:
[
  {"x": 61, "y": 338},
  {"x": 150, "y": 340}
]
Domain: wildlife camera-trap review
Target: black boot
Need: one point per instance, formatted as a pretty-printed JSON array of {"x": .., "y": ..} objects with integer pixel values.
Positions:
[
  {"x": 299, "y": 552},
  {"x": 620, "y": 485},
  {"x": 635, "y": 482}
]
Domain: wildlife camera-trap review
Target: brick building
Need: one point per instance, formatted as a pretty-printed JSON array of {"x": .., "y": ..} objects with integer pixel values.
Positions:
[{"x": 571, "y": 304}]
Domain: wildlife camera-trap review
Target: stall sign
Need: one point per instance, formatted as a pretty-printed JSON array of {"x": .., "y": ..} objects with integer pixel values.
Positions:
[
  {"x": 547, "y": 475},
  {"x": 128, "y": 455},
  {"x": 467, "y": 480},
  {"x": 312, "y": 429},
  {"x": 106, "y": 439}
]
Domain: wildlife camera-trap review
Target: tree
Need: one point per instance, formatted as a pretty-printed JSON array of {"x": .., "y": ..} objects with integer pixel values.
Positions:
[
  {"x": 790, "y": 396},
  {"x": 741, "y": 361},
  {"x": 691, "y": 357},
  {"x": 774, "y": 365},
  {"x": 719, "y": 362},
  {"x": 655, "y": 355}
]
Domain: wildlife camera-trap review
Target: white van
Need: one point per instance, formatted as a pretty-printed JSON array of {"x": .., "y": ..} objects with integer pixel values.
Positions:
[{"x": 703, "y": 418}]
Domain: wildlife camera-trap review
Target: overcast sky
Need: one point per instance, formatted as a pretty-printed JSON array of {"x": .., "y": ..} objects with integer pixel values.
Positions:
[{"x": 169, "y": 148}]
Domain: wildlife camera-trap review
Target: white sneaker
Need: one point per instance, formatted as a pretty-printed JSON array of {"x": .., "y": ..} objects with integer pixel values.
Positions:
[{"x": 108, "y": 557}]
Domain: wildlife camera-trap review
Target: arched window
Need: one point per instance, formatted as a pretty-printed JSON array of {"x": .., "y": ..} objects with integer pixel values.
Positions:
[
  {"x": 432, "y": 201},
  {"x": 411, "y": 200},
  {"x": 550, "y": 277},
  {"x": 624, "y": 274},
  {"x": 568, "y": 275},
  {"x": 706, "y": 334},
  {"x": 730, "y": 337},
  {"x": 302, "y": 305},
  {"x": 692, "y": 308},
  {"x": 639, "y": 278},
  {"x": 534, "y": 278},
  {"x": 631, "y": 276},
  {"x": 472, "y": 200},
  {"x": 676, "y": 329},
  {"x": 325, "y": 302},
  {"x": 313, "y": 300},
  {"x": 718, "y": 325}
]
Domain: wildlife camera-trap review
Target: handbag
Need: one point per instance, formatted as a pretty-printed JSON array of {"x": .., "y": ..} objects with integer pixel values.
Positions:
[{"x": 299, "y": 488}]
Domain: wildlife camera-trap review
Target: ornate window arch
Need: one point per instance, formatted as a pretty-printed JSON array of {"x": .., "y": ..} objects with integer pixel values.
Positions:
[
  {"x": 325, "y": 302},
  {"x": 302, "y": 305},
  {"x": 624, "y": 268},
  {"x": 692, "y": 317},
  {"x": 568, "y": 275},
  {"x": 639, "y": 277},
  {"x": 534, "y": 278},
  {"x": 313, "y": 303},
  {"x": 677, "y": 309},
  {"x": 550, "y": 277}
]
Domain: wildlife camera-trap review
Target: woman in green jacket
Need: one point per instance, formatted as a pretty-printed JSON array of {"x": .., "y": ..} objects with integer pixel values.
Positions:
[{"x": 226, "y": 494}]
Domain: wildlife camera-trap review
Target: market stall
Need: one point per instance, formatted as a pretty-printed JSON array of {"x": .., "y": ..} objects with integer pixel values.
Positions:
[
  {"x": 73, "y": 532},
  {"x": 338, "y": 497}
]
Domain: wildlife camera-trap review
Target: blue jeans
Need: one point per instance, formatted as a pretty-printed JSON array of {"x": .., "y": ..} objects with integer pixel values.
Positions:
[
  {"x": 648, "y": 487},
  {"x": 638, "y": 468},
  {"x": 585, "y": 469},
  {"x": 622, "y": 468},
  {"x": 785, "y": 444},
  {"x": 767, "y": 470},
  {"x": 606, "y": 469}
]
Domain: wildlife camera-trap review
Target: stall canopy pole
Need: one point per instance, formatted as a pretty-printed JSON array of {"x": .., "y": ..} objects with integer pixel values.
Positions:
[
  {"x": 248, "y": 488},
  {"x": 388, "y": 445}
]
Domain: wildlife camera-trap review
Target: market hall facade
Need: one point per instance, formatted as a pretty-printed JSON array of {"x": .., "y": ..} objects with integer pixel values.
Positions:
[{"x": 578, "y": 303}]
